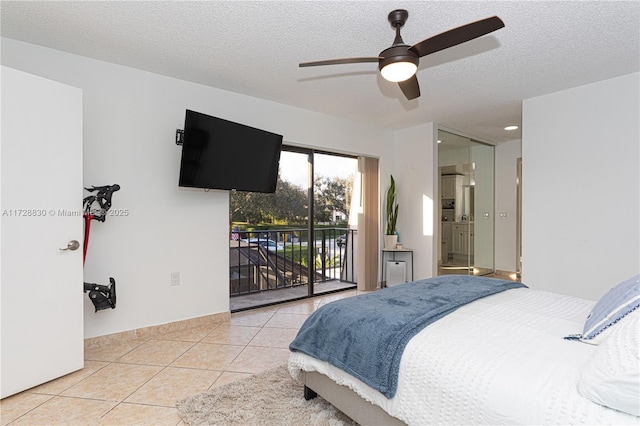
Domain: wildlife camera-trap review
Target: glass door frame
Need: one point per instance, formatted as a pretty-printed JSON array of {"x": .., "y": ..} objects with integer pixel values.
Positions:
[
  {"x": 310, "y": 152},
  {"x": 310, "y": 212}
]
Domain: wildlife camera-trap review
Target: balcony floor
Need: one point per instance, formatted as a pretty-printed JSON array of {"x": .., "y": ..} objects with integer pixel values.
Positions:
[{"x": 239, "y": 303}]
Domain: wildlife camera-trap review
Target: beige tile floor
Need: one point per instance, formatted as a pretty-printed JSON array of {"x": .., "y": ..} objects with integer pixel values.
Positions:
[{"x": 139, "y": 382}]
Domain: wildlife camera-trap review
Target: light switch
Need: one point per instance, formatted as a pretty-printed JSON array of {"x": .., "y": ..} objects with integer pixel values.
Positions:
[{"x": 175, "y": 278}]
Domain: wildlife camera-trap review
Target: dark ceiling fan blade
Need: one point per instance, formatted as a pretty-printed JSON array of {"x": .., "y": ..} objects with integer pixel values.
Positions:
[
  {"x": 410, "y": 87},
  {"x": 340, "y": 61},
  {"x": 457, "y": 36}
]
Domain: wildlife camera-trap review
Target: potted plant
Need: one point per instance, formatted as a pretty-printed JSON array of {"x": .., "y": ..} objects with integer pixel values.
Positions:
[{"x": 391, "y": 238}]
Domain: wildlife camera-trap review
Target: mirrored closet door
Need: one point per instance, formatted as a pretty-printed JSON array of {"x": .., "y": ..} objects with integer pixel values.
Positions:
[{"x": 466, "y": 179}]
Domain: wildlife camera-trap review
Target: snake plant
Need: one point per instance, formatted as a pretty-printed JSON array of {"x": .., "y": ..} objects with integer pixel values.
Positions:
[{"x": 392, "y": 208}]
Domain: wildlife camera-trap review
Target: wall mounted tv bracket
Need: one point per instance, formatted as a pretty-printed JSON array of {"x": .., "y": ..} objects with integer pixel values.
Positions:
[
  {"x": 179, "y": 137},
  {"x": 101, "y": 296}
]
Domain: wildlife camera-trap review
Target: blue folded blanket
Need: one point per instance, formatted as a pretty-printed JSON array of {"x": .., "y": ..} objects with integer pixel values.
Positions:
[{"x": 365, "y": 335}]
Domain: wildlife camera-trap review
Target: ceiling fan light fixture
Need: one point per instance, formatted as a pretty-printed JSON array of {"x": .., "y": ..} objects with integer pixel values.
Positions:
[
  {"x": 398, "y": 63},
  {"x": 398, "y": 71}
]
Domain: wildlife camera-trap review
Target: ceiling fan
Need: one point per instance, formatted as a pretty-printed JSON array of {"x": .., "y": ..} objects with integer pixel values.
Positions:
[{"x": 399, "y": 62}]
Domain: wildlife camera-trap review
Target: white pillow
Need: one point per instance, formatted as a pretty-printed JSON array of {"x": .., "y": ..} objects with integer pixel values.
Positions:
[{"x": 611, "y": 376}]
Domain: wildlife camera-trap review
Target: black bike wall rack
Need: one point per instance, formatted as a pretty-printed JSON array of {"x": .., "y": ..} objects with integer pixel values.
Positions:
[{"x": 96, "y": 207}]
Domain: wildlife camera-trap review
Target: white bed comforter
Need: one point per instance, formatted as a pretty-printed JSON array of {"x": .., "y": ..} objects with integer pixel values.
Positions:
[{"x": 498, "y": 360}]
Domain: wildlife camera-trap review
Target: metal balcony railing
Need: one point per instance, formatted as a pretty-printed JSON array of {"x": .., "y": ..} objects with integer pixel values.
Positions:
[{"x": 274, "y": 259}]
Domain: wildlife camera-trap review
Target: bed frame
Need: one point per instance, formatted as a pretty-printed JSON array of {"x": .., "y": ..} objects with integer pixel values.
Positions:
[{"x": 346, "y": 400}]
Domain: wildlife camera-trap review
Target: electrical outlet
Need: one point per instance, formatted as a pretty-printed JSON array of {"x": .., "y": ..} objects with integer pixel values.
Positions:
[{"x": 175, "y": 278}]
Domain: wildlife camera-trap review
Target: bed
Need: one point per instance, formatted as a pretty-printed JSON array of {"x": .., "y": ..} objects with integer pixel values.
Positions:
[{"x": 517, "y": 356}]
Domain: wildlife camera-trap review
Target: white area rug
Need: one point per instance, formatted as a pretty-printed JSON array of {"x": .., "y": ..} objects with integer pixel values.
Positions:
[{"x": 269, "y": 398}]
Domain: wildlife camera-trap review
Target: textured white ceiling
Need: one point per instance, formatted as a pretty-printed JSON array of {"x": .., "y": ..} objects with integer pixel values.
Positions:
[{"x": 254, "y": 48}]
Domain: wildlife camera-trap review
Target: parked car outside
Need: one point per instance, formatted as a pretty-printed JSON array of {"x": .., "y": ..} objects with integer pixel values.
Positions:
[
  {"x": 268, "y": 244},
  {"x": 341, "y": 240}
]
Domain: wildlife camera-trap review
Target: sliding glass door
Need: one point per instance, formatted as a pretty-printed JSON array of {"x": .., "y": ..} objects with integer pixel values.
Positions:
[
  {"x": 294, "y": 243},
  {"x": 466, "y": 177}
]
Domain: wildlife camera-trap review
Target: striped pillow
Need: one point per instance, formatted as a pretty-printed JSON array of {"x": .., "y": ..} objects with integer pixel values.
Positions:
[{"x": 614, "y": 305}]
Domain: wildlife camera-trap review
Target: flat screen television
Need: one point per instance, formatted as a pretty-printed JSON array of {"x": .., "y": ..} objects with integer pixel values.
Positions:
[{"x": 221, "y": 154}]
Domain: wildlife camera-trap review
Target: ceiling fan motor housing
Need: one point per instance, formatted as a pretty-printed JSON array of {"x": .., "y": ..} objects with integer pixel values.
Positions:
[{"x": 397, "y": 53}]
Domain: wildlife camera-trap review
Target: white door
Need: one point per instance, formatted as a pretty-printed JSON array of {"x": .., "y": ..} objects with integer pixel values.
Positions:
[{"x": 41, "y": 286}]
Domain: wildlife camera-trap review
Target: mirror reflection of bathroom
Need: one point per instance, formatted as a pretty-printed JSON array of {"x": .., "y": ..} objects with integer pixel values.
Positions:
[{"x": 466, "y": 187}]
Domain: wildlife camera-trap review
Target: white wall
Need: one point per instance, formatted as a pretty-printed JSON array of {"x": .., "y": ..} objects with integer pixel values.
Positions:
[
  {"x": 506, "y": 155},
  {"x": 581, "y": 179},
  {"x": 416, "y": 179},
  {"x": 130, "y": 119}
]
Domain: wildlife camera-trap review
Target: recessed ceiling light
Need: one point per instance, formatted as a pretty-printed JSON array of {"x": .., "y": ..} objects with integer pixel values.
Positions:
[
  {"x": 511, "y": 128},
  {"x": 439, "y": 141}
]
